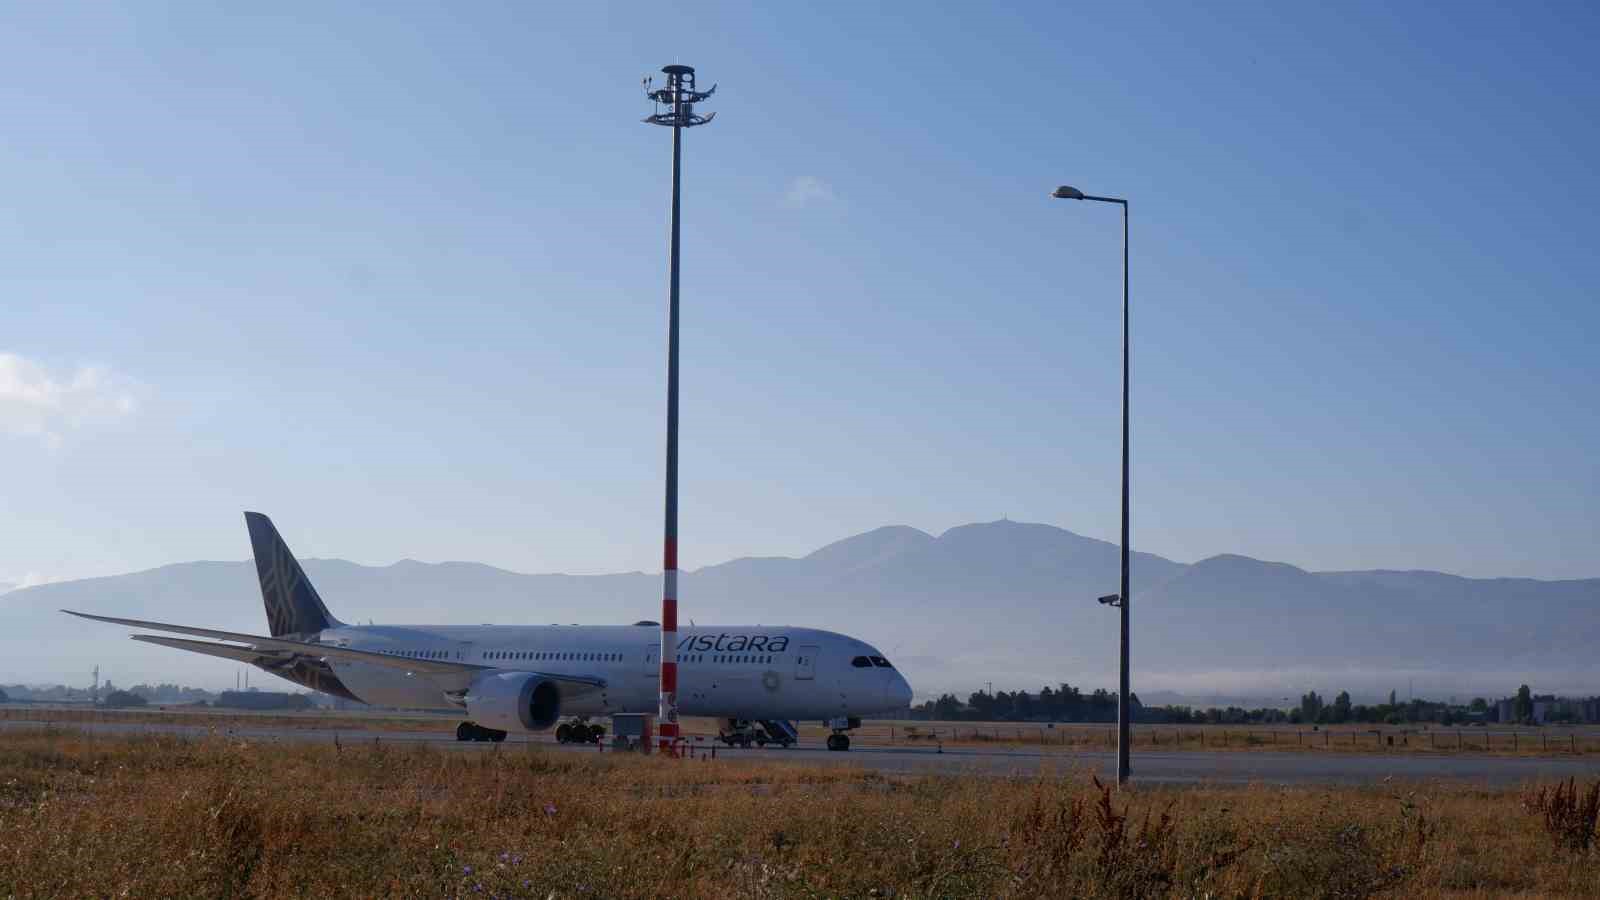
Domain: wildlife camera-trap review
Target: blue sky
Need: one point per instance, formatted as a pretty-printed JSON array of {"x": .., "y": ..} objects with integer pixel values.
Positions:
[{"x": 395, "y": 274}]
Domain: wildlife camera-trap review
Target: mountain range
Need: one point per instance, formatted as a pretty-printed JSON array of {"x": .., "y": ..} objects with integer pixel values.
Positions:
[{"x": 1005, "y": 602}]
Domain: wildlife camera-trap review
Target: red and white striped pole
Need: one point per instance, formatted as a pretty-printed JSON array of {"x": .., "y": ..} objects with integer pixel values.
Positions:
[
  {"x": 680, "y": 95},
  {"x": 667, "y": 707}
]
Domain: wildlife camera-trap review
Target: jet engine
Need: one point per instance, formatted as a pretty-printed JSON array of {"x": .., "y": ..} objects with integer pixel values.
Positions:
[{"x": 514, "y": 701}]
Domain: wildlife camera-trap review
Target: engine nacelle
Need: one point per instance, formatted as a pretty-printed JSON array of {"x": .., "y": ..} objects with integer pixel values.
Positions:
[{"x": 514, "y": 701}]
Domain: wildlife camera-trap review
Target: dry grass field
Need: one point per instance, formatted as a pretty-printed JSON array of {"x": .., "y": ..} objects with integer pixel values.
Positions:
[{"x": 163, "y": 817}]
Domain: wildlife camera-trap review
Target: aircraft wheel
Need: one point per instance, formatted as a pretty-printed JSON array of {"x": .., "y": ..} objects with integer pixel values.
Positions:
[
  {"x": 839, "y": 742},
  {"x": 564, "y": 734},
  {"x": 497, "y": 736},
  {"x": 464, "y": 731}
]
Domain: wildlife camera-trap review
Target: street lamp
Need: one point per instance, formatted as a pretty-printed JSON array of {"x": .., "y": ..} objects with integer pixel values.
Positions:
[{"x": 1119, "y": 600}]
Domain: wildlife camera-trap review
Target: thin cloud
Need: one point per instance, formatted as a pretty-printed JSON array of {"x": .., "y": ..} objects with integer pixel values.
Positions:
[
  {"x": 808, "y": 191},
  {"x": 31, "y": 579},
  {"x": 43, "y": 405}
]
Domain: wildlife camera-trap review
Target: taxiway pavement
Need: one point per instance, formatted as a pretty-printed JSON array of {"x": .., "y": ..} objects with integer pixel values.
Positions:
[{"x": 1175, "y": 767}]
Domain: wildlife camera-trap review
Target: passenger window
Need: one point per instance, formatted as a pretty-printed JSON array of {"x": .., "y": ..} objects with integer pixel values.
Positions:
[{"x": 861, "y": 662}]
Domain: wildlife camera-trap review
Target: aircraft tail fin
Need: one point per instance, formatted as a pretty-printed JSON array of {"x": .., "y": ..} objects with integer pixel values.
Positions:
[{"x": 293, "y": 606}]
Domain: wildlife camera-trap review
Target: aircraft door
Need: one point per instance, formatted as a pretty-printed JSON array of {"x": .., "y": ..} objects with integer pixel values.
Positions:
[{"x": 805, "y": 662}]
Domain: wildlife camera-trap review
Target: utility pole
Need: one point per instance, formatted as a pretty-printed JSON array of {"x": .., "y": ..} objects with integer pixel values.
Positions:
[{"x": 679, "y": 98}]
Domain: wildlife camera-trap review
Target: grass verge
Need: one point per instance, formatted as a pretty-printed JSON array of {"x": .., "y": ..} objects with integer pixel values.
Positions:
[{"x": 147, "y": 816}]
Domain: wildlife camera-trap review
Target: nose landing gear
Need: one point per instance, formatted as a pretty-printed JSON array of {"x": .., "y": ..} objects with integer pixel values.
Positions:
[{"x": 840, "y": 738}]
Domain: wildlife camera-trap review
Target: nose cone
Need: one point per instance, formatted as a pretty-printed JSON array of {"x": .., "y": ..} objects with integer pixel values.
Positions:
[{"x": 898, "y": 691}]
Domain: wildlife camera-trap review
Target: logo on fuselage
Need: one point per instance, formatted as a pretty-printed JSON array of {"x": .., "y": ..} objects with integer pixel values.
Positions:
[{"x": 734, "y": 643}]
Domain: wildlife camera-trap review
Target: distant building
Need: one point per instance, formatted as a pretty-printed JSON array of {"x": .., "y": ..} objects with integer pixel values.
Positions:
[
  {"x": 263, "y": 700},
  {"x": 1549, "y": 708}
]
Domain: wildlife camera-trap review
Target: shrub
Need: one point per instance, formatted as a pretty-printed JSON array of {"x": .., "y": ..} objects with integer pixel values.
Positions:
[{"x": 1569, "y": 819}]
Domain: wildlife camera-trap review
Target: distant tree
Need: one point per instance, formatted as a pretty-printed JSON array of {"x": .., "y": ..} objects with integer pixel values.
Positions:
[
  {"x": 1341, "y": 707},
  {"x": 1523, "y": 708},
  {"x": 1310, "y": 706},
  {"x": 981, "y": 704},
  {"x": 3, "y": 697},
  {"x": 123, "y": 698},
  {"x": 1480, "y": 705}
]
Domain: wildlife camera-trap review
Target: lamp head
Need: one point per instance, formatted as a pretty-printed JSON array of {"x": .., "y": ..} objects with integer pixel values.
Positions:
[{"x": 1067, "y": 193}]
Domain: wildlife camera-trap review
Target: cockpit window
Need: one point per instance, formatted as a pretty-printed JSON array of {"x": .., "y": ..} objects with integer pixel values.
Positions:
[
  {"x": 881, "y": 663},
  {"x": 861, "y": 662}
]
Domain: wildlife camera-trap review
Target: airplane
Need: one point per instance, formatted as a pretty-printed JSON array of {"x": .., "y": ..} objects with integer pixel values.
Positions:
[{"x": 756, "y": 680}]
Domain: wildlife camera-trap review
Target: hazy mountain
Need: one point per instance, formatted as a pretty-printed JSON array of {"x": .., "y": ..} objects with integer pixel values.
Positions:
[
  {"x": 6, "y": 586},
  {"x": 1007, "y": 602}
]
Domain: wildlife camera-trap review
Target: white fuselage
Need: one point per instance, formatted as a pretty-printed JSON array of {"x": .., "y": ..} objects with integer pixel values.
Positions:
[{"x": 743, "y": 672}]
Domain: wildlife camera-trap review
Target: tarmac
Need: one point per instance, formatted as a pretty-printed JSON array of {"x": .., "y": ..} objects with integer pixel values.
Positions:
[{"x": 1161, "y": 767}]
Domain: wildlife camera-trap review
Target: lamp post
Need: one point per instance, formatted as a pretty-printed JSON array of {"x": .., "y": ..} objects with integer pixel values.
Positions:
[
  {"x": 1120, "y": 600},
  {"x": 679, "y": 98}
]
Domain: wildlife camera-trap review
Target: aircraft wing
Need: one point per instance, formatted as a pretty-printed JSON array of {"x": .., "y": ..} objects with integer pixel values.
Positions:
[
  {"x": 462, "y": 672},
  {"x": 226, "y": 651}
]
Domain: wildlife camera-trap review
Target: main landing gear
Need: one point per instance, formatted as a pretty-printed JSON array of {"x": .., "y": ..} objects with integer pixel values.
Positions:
[
  {"x": 840, "y": 738},
  {"x": 471, "y": 731},
  {"x": 579, "y": 732}
]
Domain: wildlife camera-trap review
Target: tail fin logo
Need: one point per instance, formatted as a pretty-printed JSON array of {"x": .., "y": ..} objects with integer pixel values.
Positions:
[{"x": 292, "y": 604}]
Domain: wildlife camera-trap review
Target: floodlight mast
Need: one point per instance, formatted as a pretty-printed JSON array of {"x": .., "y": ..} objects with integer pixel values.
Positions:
[{"x": 679, "y": 98}]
